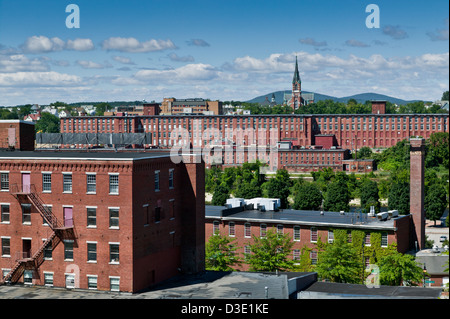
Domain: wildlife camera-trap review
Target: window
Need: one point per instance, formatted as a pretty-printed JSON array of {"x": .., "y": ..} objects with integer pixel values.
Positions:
[
  {"x": 91, "y": 217},
  {"x": 67, "y": 183},
  {"x": 4, "y": 218},
  {"x": 113, "y": 218},
  {"x": 114, "y": 283},
  {"x": 280, "y": 229},
  {"x": 247, "y": 252},
  {"x": 70, "y": 281},
  {"x": 216, "y": 227},
  {"x": 114, "y": 253},
  {"x": 313, "y": 234},
  {"x": 296, "y": 254},
  {"x": 330, "y": 236},
  {"x": 91, "y": 183},
  {"x": 247, "y": 230},
  {"x": 313, "y": 256},
  {"x": 4, "y": 178},
  {"x": 231, "y": 229},
  {"x": 46, "y": 182},
  {"x": 26, "y": 214},
  {"x": 48, "y": 250},
  {"x": 113, "y": 184},
  {"x": 92, "y": 282},
  {"x": 367, "y": 239},
  {"x": 156, "y": 181},
  {"x": 263, "y": 231},
  {"x": 48, "y": 278},
  {"x": 28, "y": 277},
  {"x": 68, "y": 250},
  {"x": 91, "y": 252},
  {"x": 384, "y": 239},
  {"x": 296, "y": 233},
  {"x": 171, "y": 184},
  {"x": 6, "y": 247}
]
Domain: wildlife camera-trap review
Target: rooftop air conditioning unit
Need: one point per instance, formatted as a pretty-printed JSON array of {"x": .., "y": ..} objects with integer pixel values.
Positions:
[
  {"x": 342, "y": 212},
  {"x": 383, "y": 216}
]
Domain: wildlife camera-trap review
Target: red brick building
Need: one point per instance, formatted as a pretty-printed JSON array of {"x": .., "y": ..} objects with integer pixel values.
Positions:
[
  {"x": 16, "y": 134},
  {"x": 304, "y": 228},
  {"x": 99, "y": 220}
]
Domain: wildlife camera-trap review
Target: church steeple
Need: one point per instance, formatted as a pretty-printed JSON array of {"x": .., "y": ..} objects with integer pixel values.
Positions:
[
  {"x": 296, "y": 97},
  {"x": 296, "y": 78}
]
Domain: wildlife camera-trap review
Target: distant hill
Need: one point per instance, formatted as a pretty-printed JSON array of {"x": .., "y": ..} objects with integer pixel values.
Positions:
[{"x": 360, "y": 98}]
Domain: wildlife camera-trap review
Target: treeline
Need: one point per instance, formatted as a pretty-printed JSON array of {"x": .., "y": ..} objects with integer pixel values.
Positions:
[
  {"x": 333, "y": 191},
  {"x": 333, "y": 107}
]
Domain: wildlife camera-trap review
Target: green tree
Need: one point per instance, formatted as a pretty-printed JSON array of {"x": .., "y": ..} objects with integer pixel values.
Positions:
[
  {"x": 339, "y": 262},
  {"x": 437, "y": 150},
  {"x": 397, "y": 269},
  {"x": 48, "y": 123},
  {"x": 444, "y": 96},
  {"x": 220, "y": 253},
  {"x": 308, "y": 197},
  {"x": 399, "y": 197},
  {"x": 279, "y": 187},
  {"x": 337, "y": 197},
  {"x": 220, "y": 195},
  {"x": 369, "y": 196},
  {"x": 435, "y": 202},
  {"x": 101, "y": 108},
  {"x": 271, "y": 253}
]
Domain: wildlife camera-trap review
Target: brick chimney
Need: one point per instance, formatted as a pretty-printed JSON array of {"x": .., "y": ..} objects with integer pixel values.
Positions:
[{"x": 417, "y": 176}]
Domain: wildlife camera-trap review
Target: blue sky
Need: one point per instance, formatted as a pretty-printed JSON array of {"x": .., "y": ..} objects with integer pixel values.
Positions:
[{"x": 217, "y": 49}]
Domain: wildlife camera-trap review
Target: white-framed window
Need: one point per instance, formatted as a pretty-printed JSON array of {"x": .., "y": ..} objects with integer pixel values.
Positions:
[
  {"x": 91, "y": 183},
  {"x": 114, "y": 253},
  {"x": 296, "y": 254},
  {"x": 367, "y": 239},
  {"x": 384, "y": 239},
  {"x": 48, "y": 251},
  {"x": 67, "y": 182},
  {"x": 114, "y": 217},
  {"x": 70, "y": 280},
  {"x": 114, "y": 184},
  {"x": 91, "y": 213},
  {"x": 26, "y": 214},
  {"x": 296, "y": 233},
  {"x": 4, "y": 213},
  {"x": 247, "y": 230},
  {"x": 231, "y": 229},
  {"x": 114, "y": 283},
  {"x": 313, "y": 234},
  {"x": 68, "y": 250},
  {"x": 46, "y": 182},
  {"x": 4, "y": 181},
  {"x": 280, "y": 229},
  {"x": 216, "y": 225},
  {"x": 6, "y": 246},
  {"x": 48, "y": 279},
  {"x": 330, "y": 236},
  {"x": 28, "y": 277},
  {"x": 157, "y": 186},
  {"x": 92, "y": 282},
  {"x": 263, "y": 230},
  {"x": 91, "y": 251},
  {"x": 313, "y": 257}
]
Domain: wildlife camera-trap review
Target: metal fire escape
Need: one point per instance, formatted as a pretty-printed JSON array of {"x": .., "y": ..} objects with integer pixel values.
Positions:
[{"x": 59, "y": 232}]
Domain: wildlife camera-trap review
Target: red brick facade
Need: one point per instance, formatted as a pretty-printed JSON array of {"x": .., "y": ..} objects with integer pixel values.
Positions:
[
  {"x": 15, "y": 134},
  {"x": 144, "y": 220}
]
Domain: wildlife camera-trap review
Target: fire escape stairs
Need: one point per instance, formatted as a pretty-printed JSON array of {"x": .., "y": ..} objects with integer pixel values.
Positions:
[{"x": 59, "y": 233}]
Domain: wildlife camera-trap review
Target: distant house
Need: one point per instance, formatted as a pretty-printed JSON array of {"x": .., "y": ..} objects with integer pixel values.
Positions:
[
  {"x": 64, "y": 113},
  {"x": 32, "y": 117},
  {"x": 50, "y": 110}
]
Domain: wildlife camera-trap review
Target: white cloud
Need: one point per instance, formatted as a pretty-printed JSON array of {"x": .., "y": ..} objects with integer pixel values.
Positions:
[
  {"x": 93, "y": 65},
  {"x": 123, "y": 60},
  {"x": 19, "y": 62},
  {"x": 80, "y": 45},
  {"x": 198, "y": 43},
  {"x": 39, "y": 79},
  {"x": 194, "y": 72},
  {"x": 42, "y": 44},
  {"x": 134, "y": 46}
]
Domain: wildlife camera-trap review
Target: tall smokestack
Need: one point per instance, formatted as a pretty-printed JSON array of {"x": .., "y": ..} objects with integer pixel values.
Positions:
[{"x": 417, "y": 176}]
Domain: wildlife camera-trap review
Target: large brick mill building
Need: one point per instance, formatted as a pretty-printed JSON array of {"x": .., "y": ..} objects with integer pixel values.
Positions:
[{"x": 100, "y": 220}]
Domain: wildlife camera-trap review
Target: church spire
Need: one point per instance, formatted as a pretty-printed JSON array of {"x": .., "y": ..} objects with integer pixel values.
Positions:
[{"x": 296, "y": 74}]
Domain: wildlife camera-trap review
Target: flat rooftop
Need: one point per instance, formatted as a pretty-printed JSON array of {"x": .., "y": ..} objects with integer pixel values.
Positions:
[
  {"x": 302, "y": 217},
  {"x": 83, "y": 155}
]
